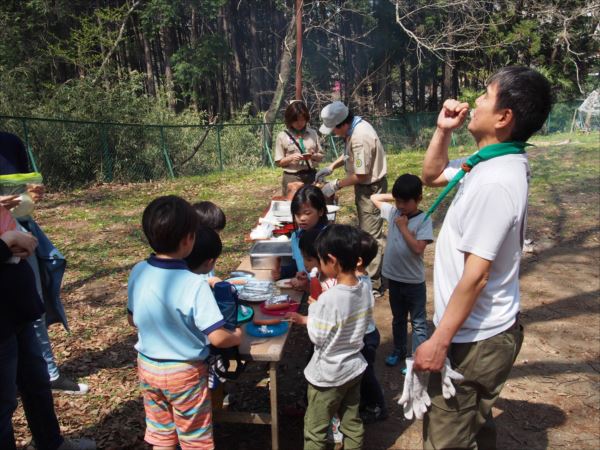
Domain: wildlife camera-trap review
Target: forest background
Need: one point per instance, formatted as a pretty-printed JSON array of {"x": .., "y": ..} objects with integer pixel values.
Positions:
[{"x": 207, "y": 63}]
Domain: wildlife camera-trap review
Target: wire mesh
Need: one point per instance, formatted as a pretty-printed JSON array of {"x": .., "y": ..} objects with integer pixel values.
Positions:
[{"x": 73, "y": 153}]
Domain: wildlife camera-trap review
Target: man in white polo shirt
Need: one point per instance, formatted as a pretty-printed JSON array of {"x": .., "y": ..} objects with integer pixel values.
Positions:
[
  {"x": 366, "y": 170},
  {"x": 478, "y": 252}
]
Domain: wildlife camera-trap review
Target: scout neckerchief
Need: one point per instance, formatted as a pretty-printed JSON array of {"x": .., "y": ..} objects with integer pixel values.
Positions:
[
  {"x": 485, "y": 153},
  {"x": 355, "y": 121},
  {"x": 299, "y": 143}
]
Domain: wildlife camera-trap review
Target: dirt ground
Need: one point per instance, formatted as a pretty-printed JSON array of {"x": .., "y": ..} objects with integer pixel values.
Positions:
[{"x": 552, "y": 399}]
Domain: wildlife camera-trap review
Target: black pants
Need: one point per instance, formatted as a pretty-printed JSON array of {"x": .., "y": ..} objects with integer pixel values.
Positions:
[{"x": 371, "y": 394}]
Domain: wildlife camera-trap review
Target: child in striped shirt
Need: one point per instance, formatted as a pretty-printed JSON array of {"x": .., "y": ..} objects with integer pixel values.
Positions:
[{"x": 336, "y": 325}]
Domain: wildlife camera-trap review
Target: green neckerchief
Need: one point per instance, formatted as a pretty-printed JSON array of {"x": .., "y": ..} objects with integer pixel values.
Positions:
[
  {"x": 488, "y": 152},
  {"x": 301, "y": 143}
]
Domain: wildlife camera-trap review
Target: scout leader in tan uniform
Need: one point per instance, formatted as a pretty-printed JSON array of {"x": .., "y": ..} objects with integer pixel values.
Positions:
[
  {"x": 366, "y": 170},
  {"x": 297, "y": 148}
]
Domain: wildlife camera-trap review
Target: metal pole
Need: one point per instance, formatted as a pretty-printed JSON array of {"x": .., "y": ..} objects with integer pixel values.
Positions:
[
  {"x": 165, "y": 153},
  {"x": 299, "y": 49},
  {"x": 219, "y": 147},
  {"x": 108, "y": 163},
  {"x": 27, "y": 146},
  {"x": 332, "y": 142}
]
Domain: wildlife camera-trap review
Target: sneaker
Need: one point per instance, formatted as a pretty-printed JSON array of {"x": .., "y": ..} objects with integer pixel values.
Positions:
[
  {"x": 371, "y": 415},
  {"x": 392, "y": 360},
  {"x": 334, "y": 435},
  {"x": 68, "y": 386},
  {"x": 376, "y": 293}
]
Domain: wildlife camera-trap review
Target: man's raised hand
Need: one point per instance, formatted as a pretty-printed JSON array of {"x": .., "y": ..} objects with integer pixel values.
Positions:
[{"x": 452, "y": 115}]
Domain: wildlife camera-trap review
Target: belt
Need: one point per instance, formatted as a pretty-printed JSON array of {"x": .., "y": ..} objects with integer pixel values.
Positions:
[{"x": 300, "y": 171}]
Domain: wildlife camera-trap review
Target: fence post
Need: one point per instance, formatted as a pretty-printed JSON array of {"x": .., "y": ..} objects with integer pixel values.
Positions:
[
  {"x": 27, "y": 146},
  {"x": 219, "y": 147},
  {"x": 163, "y": 145},
  {"x": 267, "y": 151},
  {"x": 108, "y": 163}
]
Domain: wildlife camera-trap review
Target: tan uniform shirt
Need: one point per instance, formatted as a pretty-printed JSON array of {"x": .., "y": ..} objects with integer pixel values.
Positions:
[
  {"x": 366, "y": 155},
  {"x": 284, "y": 146}
]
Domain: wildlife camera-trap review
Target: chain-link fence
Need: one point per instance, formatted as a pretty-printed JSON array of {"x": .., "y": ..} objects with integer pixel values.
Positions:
[{"x": 73, "y": 153}]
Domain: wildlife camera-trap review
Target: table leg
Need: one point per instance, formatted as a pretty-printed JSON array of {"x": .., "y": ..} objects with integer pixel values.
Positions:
[{"x": 274, "y": 411}]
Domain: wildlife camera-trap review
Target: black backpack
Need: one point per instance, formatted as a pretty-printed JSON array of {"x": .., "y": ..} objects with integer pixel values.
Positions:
[{"x": 218, "y": 361}]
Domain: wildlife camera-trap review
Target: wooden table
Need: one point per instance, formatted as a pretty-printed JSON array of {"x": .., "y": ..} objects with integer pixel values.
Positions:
[{"x": 264, "y": 350}]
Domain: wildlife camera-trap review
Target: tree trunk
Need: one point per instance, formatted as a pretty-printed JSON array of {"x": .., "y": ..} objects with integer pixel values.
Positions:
[
  {"x": 256, "y": 65},
  {"x": 433, "y": 100},
  {"x": 414, "y": 78},
  {"x": 238, "y": 71},
  {"x": 150, "y": 81},
  {"x": 403, "y": 85},
  {"x": 421, "y": 90},
  {"x": 167, "y": 40},
  {"x": 283, "y": 77}
]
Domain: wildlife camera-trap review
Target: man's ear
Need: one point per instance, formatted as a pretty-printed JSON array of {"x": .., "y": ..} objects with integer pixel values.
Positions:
[{"x": 505, "y": 120}]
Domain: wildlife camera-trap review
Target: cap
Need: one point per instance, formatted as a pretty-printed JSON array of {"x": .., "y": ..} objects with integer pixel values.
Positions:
[{"x": 332, "y": 115}]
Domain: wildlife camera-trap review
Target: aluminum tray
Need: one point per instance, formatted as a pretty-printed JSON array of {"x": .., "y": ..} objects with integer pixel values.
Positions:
[{"x": 264, "y": 254}]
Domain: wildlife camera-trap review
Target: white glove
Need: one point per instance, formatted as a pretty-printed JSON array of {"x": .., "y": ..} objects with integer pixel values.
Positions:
[
  {"x": 330, "y": 189},
  {"x": 321, "y": 174},
  {"x": 421, "y": 400},
  {"x": 406, "y": 400},
  {"x": 449, "y": 374},
  {"x": 415, "y": 399}
]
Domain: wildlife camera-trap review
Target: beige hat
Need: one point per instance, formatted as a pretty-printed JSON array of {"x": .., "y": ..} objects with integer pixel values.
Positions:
[{"x": 332, "y": 115}]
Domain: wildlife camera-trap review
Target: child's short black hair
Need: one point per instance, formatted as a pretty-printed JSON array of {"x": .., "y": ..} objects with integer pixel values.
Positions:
[
  {"x": 166, "y": 221},
  {"x": 307, "y": 243},
  {"x": 528, "y": 94},
  {"x": 341, "y": 241},
  {"x": 207, "y": 246},
  {"x": 407, "y": 187},
  {"x": 368, "y": 248},
  {"x": 211, "y": 215},
  {"x": 313, "y": 196}
]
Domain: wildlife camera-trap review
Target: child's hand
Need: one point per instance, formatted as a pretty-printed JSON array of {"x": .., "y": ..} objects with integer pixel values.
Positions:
[
  {"x": 311, "y": 300},
  {"x": 401, "y": 222},
  {"x": 297, "y": 318},
  {"x": 20, "y": 243},
  {"x": 36, "y": 191},
  {"x": 212, "y": 281},
  {"x": 300, "y": 282},
  {"x": 10, "y": 201}
]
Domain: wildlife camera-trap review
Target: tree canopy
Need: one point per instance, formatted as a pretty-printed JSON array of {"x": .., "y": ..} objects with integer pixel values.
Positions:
[{"x": 148, "y": 60}]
